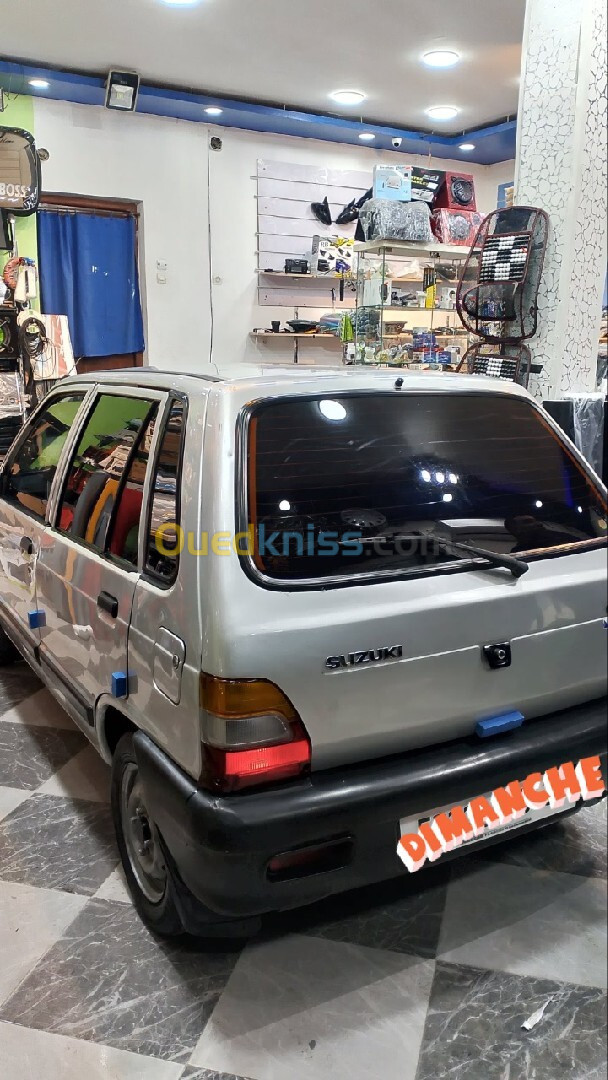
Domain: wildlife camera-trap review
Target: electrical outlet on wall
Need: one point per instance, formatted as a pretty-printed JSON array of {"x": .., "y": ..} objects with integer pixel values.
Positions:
[{"x": 161, "y": 272}]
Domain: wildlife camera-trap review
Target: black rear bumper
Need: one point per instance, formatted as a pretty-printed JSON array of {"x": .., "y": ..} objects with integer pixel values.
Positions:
[{"x": 221, "y": 845}]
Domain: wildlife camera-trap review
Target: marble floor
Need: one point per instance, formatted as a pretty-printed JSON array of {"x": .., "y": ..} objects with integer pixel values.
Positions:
[{"x": 427, "y": 977}]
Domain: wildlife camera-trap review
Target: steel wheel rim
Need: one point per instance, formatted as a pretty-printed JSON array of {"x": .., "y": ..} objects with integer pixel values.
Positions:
[{"x": 141, "y": 838}]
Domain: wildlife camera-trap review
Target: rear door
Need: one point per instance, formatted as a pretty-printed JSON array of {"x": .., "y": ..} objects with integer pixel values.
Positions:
[
  {"x": 384, "y": 627},
  {"x": 165, "y": 633},
  {"x": 88, "y": 564},
  {"x": 27, "y": 479}
]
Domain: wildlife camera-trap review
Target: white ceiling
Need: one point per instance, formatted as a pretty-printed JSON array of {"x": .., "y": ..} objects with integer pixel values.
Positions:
[{"x": 291, "y": 52}]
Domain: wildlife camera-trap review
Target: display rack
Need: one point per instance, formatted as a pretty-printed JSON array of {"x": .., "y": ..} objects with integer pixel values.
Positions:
[
  {"x": 278, "y": 289},
  {"x": 404, "y": 334},
  {"x": 295, "y": 339},
  {"x": 409, "y": 250}
]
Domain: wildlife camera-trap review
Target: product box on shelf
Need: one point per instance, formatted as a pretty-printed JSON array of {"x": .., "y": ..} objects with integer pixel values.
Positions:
[
  {"x": 332, "y": 255},
  {"x": 393, "y": 182},
  {"x": 457, "y": 192},
  {"x": 457, "y": 227},
  {"x": 426, "y": 184},
  {"x": 424, "y": 340}
]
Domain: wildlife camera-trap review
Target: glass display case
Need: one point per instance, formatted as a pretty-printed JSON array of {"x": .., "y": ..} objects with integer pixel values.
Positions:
[{"x": 406, "y": 305}]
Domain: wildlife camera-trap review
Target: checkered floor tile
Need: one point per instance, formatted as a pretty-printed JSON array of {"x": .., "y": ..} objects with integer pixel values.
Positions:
[{"x": 425, "y": 977}]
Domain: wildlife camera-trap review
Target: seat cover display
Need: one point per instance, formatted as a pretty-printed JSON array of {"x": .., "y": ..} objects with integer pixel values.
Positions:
[
  {"x": 511, "y": 362},
  {"x": 498, "y": 287}
]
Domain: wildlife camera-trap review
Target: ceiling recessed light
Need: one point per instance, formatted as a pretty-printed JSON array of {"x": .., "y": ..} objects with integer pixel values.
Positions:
[
  {"x": 347, "y": 97},
  {"x": 39, "y": 84},
  {"x": 467, "y": 146},
  {"x": 440, "y": 58},
  {"x": 214, "y": 111},
  {"x": 367, "y": 136},
  {"x": 181, "y": 3},
  {"x": 442, "y": 112}
]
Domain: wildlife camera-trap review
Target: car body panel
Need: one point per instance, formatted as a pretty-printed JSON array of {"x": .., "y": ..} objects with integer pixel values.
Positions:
[{"x": 18, "y": 574}]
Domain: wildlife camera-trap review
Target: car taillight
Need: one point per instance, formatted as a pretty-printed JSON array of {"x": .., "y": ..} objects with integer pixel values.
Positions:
[{"x": 251, "y": 734}]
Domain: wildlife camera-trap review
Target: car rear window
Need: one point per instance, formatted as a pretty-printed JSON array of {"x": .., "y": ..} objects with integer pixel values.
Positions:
[{"x": 356, "y": 484}]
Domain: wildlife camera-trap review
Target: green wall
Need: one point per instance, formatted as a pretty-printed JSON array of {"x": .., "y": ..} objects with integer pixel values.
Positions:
[{"x": 19, "y": 112}]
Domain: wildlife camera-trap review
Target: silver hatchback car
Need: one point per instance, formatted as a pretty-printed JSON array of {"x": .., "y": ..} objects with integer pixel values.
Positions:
[{"x": 298, "y": 612}]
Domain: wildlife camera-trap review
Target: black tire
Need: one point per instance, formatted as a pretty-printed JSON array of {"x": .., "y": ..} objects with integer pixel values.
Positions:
[
  {"x": 8, "y": 652},
  {"x": 152, "y": 890}
]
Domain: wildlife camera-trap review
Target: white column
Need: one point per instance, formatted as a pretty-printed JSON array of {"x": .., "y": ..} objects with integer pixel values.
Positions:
[{"x": 561, "y": 168}]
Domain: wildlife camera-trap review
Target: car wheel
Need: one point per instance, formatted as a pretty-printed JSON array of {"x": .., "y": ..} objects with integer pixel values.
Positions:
[
  {"x": 140, "y": 846},
  {"x": 8, "y": 652}
]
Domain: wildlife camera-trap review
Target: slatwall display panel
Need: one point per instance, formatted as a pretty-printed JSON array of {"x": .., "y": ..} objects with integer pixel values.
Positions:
[
  {"x": 303, "y": 225},
  {"x": 302, "y": 192},
  {"x": 295, "y": 294},
  {"x": 315, "y": 174},
  {"x": 271, "y": 246},
  {"x": 287, "y": 225}
]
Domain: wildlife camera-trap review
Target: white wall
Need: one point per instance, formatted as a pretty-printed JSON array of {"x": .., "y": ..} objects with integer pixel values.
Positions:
[{"x": 163, "y": 164}]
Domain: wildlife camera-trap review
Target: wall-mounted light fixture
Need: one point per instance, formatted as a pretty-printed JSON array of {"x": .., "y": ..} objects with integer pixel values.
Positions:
[{"x": 122, "y": 88}]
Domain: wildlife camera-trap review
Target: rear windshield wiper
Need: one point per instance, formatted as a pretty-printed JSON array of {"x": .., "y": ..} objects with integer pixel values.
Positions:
[
  {"x": 496, "y": 558},
  {"x": 509, "y": 562}
]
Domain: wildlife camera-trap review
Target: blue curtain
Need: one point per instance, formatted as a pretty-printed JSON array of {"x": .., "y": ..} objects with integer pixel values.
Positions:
[{"x": 88, "y": 271}]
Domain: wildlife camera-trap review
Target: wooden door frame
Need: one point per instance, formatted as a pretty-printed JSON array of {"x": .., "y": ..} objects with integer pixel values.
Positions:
[{"x": 127, "y": 208}]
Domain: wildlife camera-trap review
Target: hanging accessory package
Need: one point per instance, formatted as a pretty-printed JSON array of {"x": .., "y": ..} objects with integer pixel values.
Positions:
[{"x": 7, "y": 237}]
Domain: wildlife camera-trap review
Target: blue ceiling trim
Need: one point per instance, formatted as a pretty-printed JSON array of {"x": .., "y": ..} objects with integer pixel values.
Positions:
[{"x": 492, "y": 144}]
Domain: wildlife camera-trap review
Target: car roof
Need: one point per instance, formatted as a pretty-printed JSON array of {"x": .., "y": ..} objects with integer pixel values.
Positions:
[{"x": 280, "y": 380}]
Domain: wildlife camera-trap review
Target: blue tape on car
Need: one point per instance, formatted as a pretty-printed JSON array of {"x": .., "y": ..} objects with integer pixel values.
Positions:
[
  {"x": 37, "y": 619},
  {"x": 120, "y": 684},
  {"x": 496, "y": 725}
]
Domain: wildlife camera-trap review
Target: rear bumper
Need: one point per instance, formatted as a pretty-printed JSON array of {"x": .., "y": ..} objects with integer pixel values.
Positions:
[{"x": 221, "y": 845}]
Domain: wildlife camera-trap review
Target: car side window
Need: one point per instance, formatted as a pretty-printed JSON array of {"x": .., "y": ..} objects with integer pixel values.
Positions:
[
  {"x": 98, "y": 465},
  {"x": 123, "y": 544},
  {"x": 30, "y": 472},
  {"x": 162, "y": 556}
]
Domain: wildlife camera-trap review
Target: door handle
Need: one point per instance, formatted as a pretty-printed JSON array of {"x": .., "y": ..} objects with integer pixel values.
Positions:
[
  {"x": 26, "y": 545},
  {"x": 108, "y": 603}
]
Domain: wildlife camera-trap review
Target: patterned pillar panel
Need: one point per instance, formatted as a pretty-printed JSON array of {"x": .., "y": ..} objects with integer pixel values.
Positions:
[{"x": 561, "y": 167}]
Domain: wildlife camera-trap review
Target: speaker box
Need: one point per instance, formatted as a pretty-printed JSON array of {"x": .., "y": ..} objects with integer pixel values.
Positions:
[
  {"x": 457, "y": 227},
  {"x": 457, "y": 192}
]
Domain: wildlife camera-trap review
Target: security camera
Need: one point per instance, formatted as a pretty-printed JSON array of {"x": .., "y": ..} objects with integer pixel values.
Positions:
[
  {"x": 396, "y": 142},
  {"x": 215, "y": 143}
]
